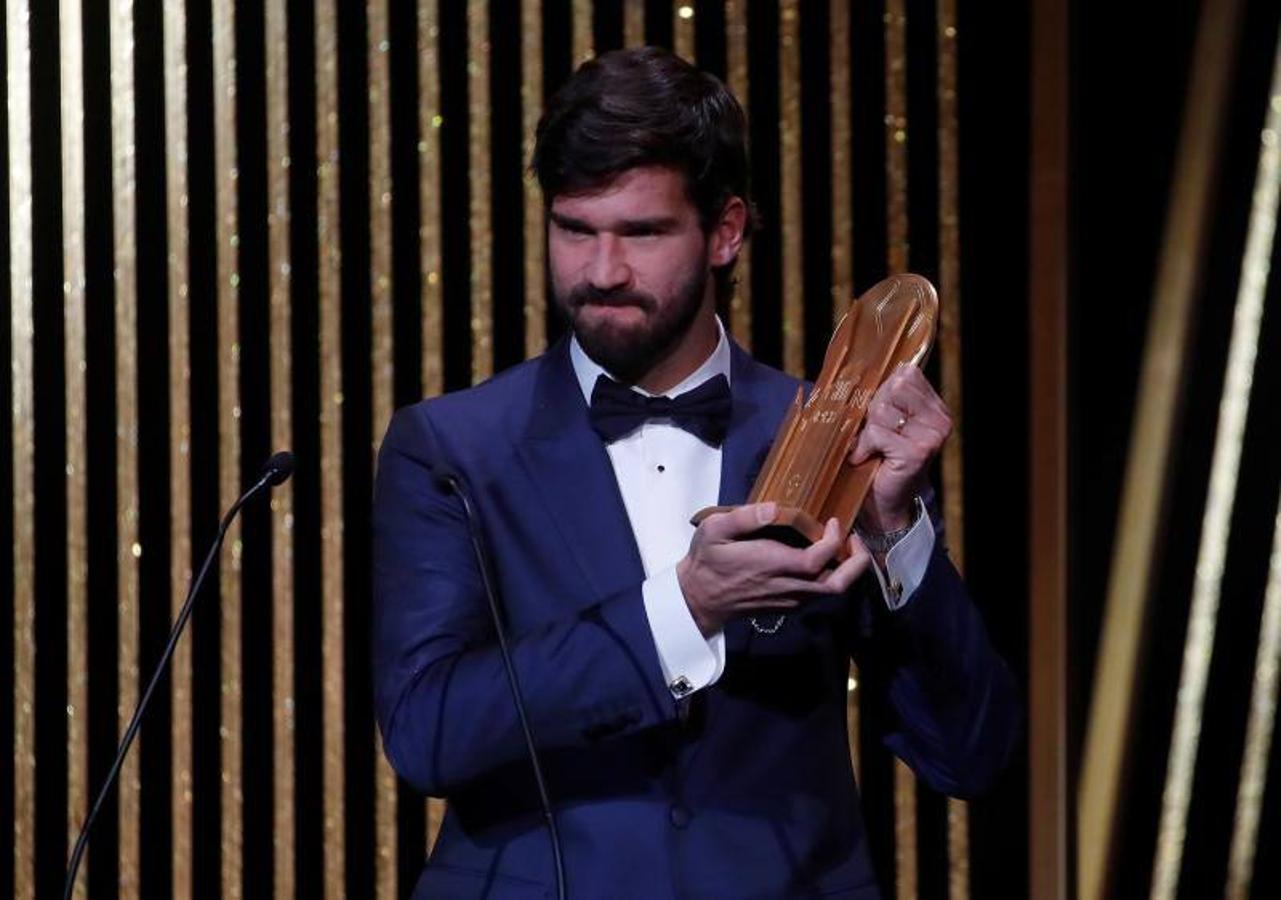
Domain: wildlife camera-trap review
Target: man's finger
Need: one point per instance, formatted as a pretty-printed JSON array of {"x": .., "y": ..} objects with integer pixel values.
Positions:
[
  {"x": 897, "y": 385},
  {"x": 832, "y": 581},
  {"x": 875, "y": 440},
  {"x": 909, "y": 392},
  {"x": 774, "y": 558},
  {"x": 904, "y": 404},
  {"x": 838, "y": 580},
  {"x": 842, "y": 578},
  {"x": 927, "y": 431},
  {"x": 814, "y": 558},
  {"x": 911, "y": 379},
  {"x": 735, "y": 523},
  {"x": 764, "y": 555}
]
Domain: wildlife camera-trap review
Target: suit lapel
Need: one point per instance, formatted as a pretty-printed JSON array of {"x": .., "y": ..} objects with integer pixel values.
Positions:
[
  {"x": 751, "y": 431},
  {"x": 571, "y": 471},
  {"x": 752, "y": 426}
]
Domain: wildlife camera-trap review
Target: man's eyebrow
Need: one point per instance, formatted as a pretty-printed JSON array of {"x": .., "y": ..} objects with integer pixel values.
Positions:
[
  {"x": 627, "y": 226},
  {"x": 655, "y": 224},
  {"x": 569, "y": 222}
]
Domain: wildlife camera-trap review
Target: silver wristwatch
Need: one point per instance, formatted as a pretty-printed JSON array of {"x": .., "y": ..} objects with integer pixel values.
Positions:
[{"x": 882, "y": 542}]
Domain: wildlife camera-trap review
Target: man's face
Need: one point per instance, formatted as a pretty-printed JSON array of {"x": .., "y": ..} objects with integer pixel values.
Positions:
[{"x": 630, "y": 268}]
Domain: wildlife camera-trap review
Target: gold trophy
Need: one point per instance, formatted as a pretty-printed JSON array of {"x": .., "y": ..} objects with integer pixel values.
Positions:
[{"x": 807, "y": 472}]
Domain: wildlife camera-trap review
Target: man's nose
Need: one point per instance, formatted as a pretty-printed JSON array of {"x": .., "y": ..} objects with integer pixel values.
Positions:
[{"x": 608, "y": 268}]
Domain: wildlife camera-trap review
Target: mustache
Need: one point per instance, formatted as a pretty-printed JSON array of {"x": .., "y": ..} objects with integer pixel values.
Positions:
[{"x": 586, "y": 294}]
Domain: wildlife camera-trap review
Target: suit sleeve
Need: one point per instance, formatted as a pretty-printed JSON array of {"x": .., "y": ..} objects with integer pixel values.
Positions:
[
  {"x": 944, "y": 699},
  {"x": 442, "y": 696}
]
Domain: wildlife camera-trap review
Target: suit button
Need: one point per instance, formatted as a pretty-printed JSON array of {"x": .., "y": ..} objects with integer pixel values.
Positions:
[{"x": 679, "y": 816}]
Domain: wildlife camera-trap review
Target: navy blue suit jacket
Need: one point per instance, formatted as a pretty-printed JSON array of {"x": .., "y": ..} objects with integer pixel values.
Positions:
[{"x": 746, "y": 791}]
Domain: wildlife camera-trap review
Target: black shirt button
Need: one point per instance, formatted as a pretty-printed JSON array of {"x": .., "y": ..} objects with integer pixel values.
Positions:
[{"x": 679, "y": 816}]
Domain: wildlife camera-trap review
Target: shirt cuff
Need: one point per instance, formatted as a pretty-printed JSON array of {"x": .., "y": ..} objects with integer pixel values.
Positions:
[
  {"x": 690, "y": 662},
  {"x": 906, "y": 561}
]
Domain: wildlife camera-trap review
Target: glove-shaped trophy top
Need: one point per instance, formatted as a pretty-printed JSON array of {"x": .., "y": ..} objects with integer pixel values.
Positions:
[{"x": 807, "y": 472}]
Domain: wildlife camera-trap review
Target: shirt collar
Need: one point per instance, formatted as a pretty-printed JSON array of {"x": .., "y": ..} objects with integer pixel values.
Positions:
[{"x": 586, "y": 369}]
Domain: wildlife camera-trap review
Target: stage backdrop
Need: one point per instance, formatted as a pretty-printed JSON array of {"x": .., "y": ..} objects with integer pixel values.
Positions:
[{"x": 239, "y": 227}]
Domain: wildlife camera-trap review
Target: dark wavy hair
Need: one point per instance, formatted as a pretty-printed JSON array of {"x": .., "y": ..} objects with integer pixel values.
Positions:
[{"x": 645, "y": 106}]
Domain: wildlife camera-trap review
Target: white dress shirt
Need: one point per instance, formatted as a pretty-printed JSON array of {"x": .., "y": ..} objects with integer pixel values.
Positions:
[{"x": 665, "y": 475}]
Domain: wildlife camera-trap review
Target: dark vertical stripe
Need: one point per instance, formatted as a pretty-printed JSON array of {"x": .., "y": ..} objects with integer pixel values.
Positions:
[
  {"x": 50, "y": 455},
  {"x": 709, "y": 37},
  {"x": 763, "y": 114},
  {"x": 101, "y": 426},
  {"x": 557, "y": 65},
  {"x": 406, "y": 212},
  {"x": 922, "y": 145},
  {"x": 507, "y": 232},
  {"x": 658, "y": 23},
  {"x": 454, "y": 161},
  {"x": 305, "y": 390},
  {"x": 153, "y": 440},
  {"x": 255, "y": 439},
  {"x": 816, "y": 182},
  {"x": 357, "y": 438},
  {"x": 607, "y": 30},
  {"x": 994, "y": 270},
  {"x": 204, "y": 628},
  {"x": 867, "y": 150}
]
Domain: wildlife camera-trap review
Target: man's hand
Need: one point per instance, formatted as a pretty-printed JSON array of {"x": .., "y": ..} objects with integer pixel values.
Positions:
[
  {"x": 724, "y": 576},
  {"x": 907, "y": 423}
]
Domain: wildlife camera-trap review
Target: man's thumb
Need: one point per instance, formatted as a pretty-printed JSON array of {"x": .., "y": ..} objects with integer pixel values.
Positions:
[
  {"x": 740, "y": 521},
  {"x": 765, "y": 513}
]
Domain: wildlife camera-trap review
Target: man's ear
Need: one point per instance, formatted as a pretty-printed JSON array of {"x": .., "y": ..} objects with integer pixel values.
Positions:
[{"x": 727, "y": 235}]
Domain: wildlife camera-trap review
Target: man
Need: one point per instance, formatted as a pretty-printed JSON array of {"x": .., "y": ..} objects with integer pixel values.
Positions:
[{"x": 686, "y": 688}]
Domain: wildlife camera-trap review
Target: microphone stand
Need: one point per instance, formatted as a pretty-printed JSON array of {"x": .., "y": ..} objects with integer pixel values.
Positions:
[
  {"x": 487, "y": 579},
  {"x": 277, "y": 470}
]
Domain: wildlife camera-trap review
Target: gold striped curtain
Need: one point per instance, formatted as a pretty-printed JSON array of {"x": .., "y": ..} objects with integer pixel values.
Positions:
[{"x": 237, "y": 227}]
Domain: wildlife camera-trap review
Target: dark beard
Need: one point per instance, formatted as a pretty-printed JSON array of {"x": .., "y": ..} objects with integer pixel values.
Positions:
[{"x": 629, "y": 355}]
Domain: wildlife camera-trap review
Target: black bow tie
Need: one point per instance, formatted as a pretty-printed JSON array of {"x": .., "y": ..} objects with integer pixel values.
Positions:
[{"x": 703, "y": 412}]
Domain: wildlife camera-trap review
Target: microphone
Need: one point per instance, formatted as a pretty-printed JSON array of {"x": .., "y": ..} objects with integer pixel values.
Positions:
[
  {"x": 275, "y": 472},
  {"x": 278, "y": 468},
  {"x": 447, "y": 477}
]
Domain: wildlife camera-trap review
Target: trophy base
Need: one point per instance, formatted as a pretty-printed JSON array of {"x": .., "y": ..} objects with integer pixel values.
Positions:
[{"x": 791, "y": 525}]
